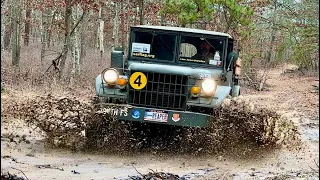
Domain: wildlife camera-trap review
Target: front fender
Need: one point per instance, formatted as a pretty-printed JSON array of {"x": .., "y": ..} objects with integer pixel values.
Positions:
[
  {"x": 103, "y": 90},
  {"x": 221, "y": 93},
  {"x": 99, "y": 85}
]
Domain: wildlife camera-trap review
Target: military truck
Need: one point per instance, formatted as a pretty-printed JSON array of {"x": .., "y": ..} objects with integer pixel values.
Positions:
[{"x": 170, "y": 75}]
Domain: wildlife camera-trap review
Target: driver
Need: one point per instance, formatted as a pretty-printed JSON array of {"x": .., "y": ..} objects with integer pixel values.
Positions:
[{"x": 205, "y": 53}]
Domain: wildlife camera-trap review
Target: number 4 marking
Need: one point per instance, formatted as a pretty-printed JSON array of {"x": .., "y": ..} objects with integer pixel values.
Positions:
[{"x": 138, "y": 81}]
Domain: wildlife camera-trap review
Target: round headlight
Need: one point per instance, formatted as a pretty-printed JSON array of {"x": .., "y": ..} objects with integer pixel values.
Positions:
[
  {"x": 208, "y": 86},
  {"x": 110, "y": 76}
]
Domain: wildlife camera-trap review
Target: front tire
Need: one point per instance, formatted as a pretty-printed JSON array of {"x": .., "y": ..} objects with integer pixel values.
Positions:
[{"x": 235, "y": 91}]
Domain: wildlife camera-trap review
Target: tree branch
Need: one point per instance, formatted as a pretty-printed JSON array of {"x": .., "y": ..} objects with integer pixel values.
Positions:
[
  {"x": 138, "y": 172},
  {"x": 53, "y": 51},
  {"x": 289, "y": 29},
  {"x": 77, "y": 24},
  {"x": 51, "y": 54},
  {"x": 21, "y": 172},
  {"x": 297, "y": 15},
  {"x": 55, "y": 63}
]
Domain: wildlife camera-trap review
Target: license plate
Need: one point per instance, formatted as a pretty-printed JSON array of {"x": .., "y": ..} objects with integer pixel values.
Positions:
[{"x": 158, "y": 116}]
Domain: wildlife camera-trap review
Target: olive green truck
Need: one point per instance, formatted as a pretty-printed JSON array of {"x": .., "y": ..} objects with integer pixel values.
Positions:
[{"x": 170, "y": 75}]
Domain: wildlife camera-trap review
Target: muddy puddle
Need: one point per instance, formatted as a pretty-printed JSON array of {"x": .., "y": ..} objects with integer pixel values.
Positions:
[
  {"x": 69, "y": 122},
  {"x": 243, "y": 142},
  {"x": 310, "y": 130}
]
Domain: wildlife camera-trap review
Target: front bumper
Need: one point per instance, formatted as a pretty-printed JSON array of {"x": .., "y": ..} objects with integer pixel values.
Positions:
[{"x": 176, "y": 118}]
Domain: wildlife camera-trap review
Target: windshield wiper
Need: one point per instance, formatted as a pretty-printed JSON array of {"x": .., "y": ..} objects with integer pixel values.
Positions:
[
  {"x": 202, "y": 38},
  {"x": 161, "y": 40},
  {"x": 153, "y": 34},
  {"x": 166, "y": 45}
]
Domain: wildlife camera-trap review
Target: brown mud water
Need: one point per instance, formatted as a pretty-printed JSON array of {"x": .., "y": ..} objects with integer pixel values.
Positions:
[
  {"x": 8, "y": 176},
  {"x": 71, "y": 123}
]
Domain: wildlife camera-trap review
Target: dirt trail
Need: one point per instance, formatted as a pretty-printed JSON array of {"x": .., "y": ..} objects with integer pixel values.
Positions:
[{"x": 24, "y": 150}]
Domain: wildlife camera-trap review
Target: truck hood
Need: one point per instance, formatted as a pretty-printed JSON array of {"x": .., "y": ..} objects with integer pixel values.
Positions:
[{"x": 174, "y": 69}]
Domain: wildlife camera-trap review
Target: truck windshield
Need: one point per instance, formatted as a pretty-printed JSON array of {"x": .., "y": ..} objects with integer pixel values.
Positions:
[
  {"x": 201, "y": 50},
  {"x": 153, "y": 45}
]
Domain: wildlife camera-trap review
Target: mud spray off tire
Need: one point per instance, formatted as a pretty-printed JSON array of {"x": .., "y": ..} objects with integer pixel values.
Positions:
[{"x": 64, "y": 119}]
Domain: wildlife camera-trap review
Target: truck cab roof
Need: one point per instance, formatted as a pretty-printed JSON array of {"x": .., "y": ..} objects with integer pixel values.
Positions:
[{"x": 182, "y": 29}]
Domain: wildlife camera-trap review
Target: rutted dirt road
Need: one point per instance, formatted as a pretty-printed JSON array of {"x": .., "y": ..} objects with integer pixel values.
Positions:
[{"x": 25, "y": 154}]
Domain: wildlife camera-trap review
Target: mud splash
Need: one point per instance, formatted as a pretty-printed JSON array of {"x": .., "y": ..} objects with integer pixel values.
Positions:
[{"x": 69, "y": 122}]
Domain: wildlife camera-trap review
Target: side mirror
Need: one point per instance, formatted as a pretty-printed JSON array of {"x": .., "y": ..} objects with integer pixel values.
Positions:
[
  {"x": 119, "y": 49},
  {"x": 117, "y": 60},
  {"x": 232, "y": 57}
]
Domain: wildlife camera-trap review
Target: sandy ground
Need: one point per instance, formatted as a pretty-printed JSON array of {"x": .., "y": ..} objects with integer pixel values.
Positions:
[{"x": 23, "y": 151}]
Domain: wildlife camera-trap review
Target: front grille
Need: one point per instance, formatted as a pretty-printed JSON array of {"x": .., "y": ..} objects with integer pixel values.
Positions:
[{"x": 162, "y": 91}]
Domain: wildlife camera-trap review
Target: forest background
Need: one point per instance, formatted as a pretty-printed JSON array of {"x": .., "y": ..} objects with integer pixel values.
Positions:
[{"x": 67, "y": 43}]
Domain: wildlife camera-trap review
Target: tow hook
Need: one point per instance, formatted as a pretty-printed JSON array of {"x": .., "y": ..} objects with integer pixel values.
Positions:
[{"x": 223, "y": 77}]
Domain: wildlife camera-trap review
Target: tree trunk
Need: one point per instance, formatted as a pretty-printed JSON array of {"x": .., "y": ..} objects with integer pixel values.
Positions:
[
  {"x": 273, "y": 35},
  {"x": 49, "y": 31},
  {"x": 50, "y": 28},
  {"x": 34, "y": 33},
  {"x": 316, "y": 65},
  {"x": 16, "y": 33},
  {"x": 27, "y": 27},
  {"x": 226, "y": 19},
  {"x": 162, "y": 23},
  {"x": 44, "y": 33},
  {"x": 141, "y": 10},
  {"x": 127, "y": 27},
  {"x": 100, "y": 33},
  {"x": 135, "y": 15},
  {"x": 3, "y": 28},
  {"x": 66, "y": 45},
  {"x": 2, "y": 35},
  {"x": 116, "y": 26},
  {"x": 83, "y": 40},
  {"x": 122, "y": 25},
  {"x": 6, "y": 27},
  {"x": 75, "y": 43},
  {"x": 7, "y": 37}
]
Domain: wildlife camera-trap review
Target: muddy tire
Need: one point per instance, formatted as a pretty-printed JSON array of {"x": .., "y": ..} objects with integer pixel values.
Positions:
[
  {"x": 95, "y": 131},
  {"x": 105, "y": 132},
  {"x": 96, "y": 127}
]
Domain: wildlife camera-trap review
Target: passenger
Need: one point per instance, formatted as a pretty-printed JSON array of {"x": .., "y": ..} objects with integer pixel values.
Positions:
[{"x": 237, "y": 67}]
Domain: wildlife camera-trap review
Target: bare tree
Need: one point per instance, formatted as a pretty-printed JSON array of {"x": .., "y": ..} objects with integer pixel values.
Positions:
[
  {"x": 75, "y": 42},
  {"x": 273, "y": 34},
  {"x": 100, "y": 31},
  {"x": 27, "y": 26},
  {"x": 44, "y": 25},
  {"x": 50, "y": 28},
  {"x": 3, "y": 25},
  {"x": 66, "y": 46},
  {"x": 116, "y": 25},
  {"x": 16, "y": 14},
  {"x": 141, "y": 10},
  {"x": 122, "y": 22},
  {"x": 83, "y": 39}
]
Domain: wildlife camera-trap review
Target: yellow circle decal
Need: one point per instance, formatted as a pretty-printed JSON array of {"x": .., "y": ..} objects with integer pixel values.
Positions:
[{"x": 138, "y": 80}]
